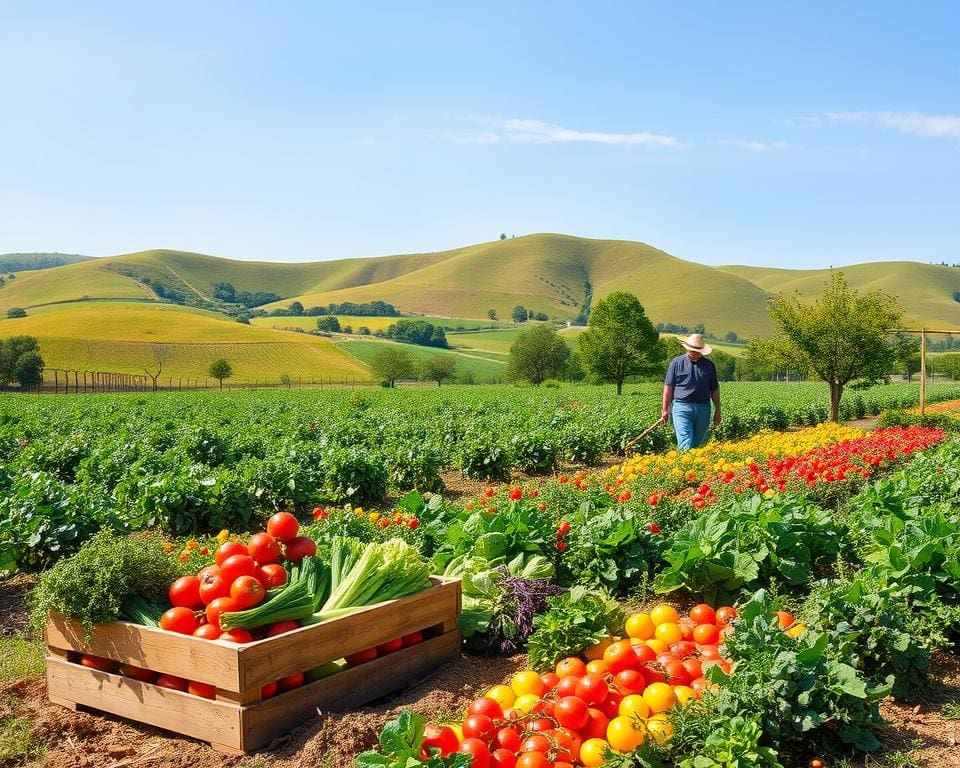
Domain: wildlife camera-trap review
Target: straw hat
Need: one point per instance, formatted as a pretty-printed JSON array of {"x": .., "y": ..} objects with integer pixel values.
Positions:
[{"x": 695, "y": 343}]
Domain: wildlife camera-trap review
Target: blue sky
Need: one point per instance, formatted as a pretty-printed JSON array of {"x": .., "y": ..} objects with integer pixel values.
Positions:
[{"x": 804, "y": 136}]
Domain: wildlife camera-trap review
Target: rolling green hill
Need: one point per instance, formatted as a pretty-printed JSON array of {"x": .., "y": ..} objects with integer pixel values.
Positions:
[{"x": 18, "y": 262}]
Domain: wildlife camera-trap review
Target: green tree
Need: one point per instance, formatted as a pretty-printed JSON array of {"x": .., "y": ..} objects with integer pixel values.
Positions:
[
  {"x": 295, "y": 308},
  {"x": 285, "y": 380},
  {"x": 20, "y": 361},
  {"x": 15, "y": 312},
  {"x": 438, "y": 368},
  {"x": 220, "y": 369},
  {"x": 492, "y": 313},
  {"x": 392, "y": 363},
  {"x": 538, "y": 354},
  {"x": 328, "y": 323},
  {"x": 620, "y": 341},
  {"x": 842, "y": 336},
  {"x": 520, "y": 314}
]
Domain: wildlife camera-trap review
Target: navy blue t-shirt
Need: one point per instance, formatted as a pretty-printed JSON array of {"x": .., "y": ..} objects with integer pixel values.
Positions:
[{"x": 692, "y": 382}]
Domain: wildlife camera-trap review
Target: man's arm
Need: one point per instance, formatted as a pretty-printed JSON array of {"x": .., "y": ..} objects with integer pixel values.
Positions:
[
  {"x": 665, "y": 406},
  {"x": 715, "y": 396}
]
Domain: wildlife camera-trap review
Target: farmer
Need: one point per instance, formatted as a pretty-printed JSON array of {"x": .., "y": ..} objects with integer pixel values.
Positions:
[{"x": 690, "y": 385}]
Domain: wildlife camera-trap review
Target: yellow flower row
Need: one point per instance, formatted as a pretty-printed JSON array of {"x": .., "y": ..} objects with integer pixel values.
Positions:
[{"x": 732, "y": 455}]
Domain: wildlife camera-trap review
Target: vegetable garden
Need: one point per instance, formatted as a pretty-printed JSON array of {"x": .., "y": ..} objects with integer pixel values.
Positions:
[{"x": 750, "y": 603}]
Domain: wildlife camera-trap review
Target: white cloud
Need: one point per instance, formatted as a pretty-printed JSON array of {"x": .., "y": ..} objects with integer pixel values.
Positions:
[
  {"x": 913, "y": 123},
  {"x": 539, "y": 132},
  {"x": 757, "y": 146},
  {"x": 813, "y": 120}
]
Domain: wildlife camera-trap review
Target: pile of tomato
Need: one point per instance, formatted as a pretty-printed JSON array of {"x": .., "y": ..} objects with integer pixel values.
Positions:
[{"x": 617, "y": 696}]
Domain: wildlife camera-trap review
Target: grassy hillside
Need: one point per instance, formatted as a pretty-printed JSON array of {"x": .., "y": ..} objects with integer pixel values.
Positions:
[
  {"x": 374, "y": 323},
  {"x": 124, "y": 337},
  {"x": 483, "y": 369},
  {"x": 925, "y": 290},
  {"x": 547, "y": 273}
]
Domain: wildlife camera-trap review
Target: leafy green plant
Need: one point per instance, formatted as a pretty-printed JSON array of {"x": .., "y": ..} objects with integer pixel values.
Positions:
[
  {"x": 534, "y": 452},
  {"x": 484, "y": 457},
  {"x": 574, "y": 621},
  {"x": 401, "y": 744}
]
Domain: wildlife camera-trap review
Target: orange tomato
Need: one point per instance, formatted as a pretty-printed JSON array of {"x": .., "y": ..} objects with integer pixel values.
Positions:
[
  {"x": 625, "y": 734},
  {"x": 571, "y": 667},
  {"x": 659, "y": 697},
  {"x": 619, "y": 656},
  {"x": 703, "y": 614},
  {"x": 663, "y": 614},
  {"x": 597, "y": 667},
  {"x": 640, "y": 625},
  {"x": 706, "y": 634}
]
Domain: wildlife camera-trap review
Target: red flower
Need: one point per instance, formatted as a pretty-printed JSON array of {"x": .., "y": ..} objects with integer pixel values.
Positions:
[
  {"x": 563, "y": 479},
  {"x": 516, "y": 494},
  {"x": 489, "y": 492},
  {"x": 561, "y": 546},
  {"x": 413, "y": 523},
  {"x": 653, "y": 528},
  {"x": 319, "y": 513}
]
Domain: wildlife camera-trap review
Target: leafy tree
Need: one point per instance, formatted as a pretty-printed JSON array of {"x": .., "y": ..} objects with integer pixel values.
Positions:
[
  {"x": 328, "y": 323},
  {"x": 244, "y": 318},
  {"x": 295, "y": 308},
  {"x": 285, "y": 380},
  {"x": 520, "y": 314},
  {"x": 20, "y": 361},
  {"x": 220, "y": 369},
  {"x": 224, "y": 292},
  {"x": 542, "y": 316},
  {"x": 620, "y": 341},
  {"x": 438, "y": 368},
  {"x": 503, "y": 235},
  {"x": 843, "y": 335},
  {"x": 14, "y": 312},
  {"x": 492, "y": 314},
  {"x": 538, "y": 354},
  {"x": 392, "y": 363}
]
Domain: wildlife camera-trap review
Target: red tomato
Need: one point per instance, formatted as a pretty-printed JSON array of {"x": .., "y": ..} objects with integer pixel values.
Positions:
[
  {"x": 676, "y": 673},
  {"x": 412, "y": 639},
  {"x": 620, "y": 656},
  {"x": 391, "y": 646},
  {"x": 532, "y": 760},
  {"x": 592, "y": 689},
  {"x": 291, "y": 682},
  {"x": 725, "y": 615},
  {"x": 693, "y": 667},
  {"x": 362, "y": 657},
  {"x": 503, "y": 758},
  {"x": 172, "y": 682},
  {"x": 203, "y": 690},
  {"x": 596, "y": 727},
  {"x": 300, "y": 547},
  {"x": 219, "y": 606},
  {"x": 181, "y": 620},
  {"x": 479, "y": 751},
  {"x": 283, "y": 526},
  {"x": 536, "y": 743},
  {"x": 571, "y": 712},
  {"x": 706, "y": 634},
  {"x": 610, "y": 705},
  {"x": 268, "y": 691},
  {"x": 479, "y": 727},
  {"x": 272, "y": 575},
  {"x": 508, "y": 738},
  {"x": 440, "y": 737},
  {"x": 544, "y": 707},
  {"x": 263, "y": 548},
  {"x": 568, "y": 686},
  {"x": 703, "y": 614},
  {"x": 207, "y": 632},
  {"x": 228, "y": 549},
  {"x": 644, "y": 653},
  {"x": 98, "y": 663},
  {"x": 185, "y": 593},
  {"x": 247, "y": 592},
  {"x": 699, "y": 684},
  {"x": 568, "y": 743},
  {"x": 280, "y": 627},
  {"x": 629, "y": 681},
  {"x": 138, "y": 673},
  {"x": 486, "y": 706},
  {"x": 540, "y": 724},
  {"x": 686, "y": 628},
  {"x": 238, "y": 636},
  {"x": 212, "y": 584},
  {"x": 236, "y": 566},
  {"x": 550, "y": 681},
  {"x": 652, "y": 675},
  {"x": 709, "y": 652},
  {"x": 683, "y": 649}
]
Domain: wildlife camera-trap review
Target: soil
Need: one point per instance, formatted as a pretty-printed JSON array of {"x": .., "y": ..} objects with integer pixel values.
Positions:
[{"x": 13, "y": 606}]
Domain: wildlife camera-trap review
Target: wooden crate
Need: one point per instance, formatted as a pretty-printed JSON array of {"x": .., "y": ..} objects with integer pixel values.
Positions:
[{"x": 238, "y": 721}]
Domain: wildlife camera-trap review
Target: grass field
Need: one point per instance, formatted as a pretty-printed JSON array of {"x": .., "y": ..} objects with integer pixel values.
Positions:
[
  {"x": 375, "y": 323},
  {"x": 482, "y": 369},
  {"x": 123, "y": 338}
]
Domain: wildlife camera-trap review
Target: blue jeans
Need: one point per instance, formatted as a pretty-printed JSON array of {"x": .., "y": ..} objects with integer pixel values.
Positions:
[{"x": 691, "y": 422}]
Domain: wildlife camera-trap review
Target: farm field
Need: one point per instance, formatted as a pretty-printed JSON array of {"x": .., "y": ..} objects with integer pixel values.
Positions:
[
  {"x": 375, "y": 323},
  {"x": 483, "y": 369},
  {"x": 759, "y": 521}
]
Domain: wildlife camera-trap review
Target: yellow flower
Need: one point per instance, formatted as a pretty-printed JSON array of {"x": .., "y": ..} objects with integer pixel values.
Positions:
[
  {"x": 223, "y": 535},
  {"x": 374, "y": 516},
  {"x": 358, "y": 510}
]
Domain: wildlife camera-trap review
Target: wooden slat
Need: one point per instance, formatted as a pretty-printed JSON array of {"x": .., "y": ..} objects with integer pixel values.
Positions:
[
  {"x": 312, "y": 646},
  {"x": 207, "y": 661},
  {"x": 353, "y": 687},
  {"x": 213, "y": 721}
]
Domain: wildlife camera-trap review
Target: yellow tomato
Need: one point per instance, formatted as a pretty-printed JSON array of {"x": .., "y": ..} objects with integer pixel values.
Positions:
[
  {"x": 796, "y": 630},
  {"x": 634, "y": 705},
  {"x": 659, "y": 696},
  {"x": 503, "y": 695},
  {"x": 625, "y": 734},
  {"x": 663, "y": 613},
  {"x": 660, "y": 730},
  {"x": 595, "y": 652},
  {"x": 640, "y": 625},
  {"x": 592, "y": 752},
  {"x": 668, "y": 633},
  {"x": 527, "y": 681},
  {"x": 457, "y": 729},
  {"x": 658, "y": 646},
  {"x": 525, "y": 702},
  {"x": 683, "y": 693}
]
